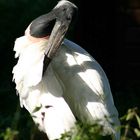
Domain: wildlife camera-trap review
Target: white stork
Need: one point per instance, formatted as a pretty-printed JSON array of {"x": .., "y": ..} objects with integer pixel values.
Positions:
[{"x": 58, "y": 81}]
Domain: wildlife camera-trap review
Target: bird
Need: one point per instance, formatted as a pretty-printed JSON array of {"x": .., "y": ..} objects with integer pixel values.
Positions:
[{"x": 59, "y": 82}]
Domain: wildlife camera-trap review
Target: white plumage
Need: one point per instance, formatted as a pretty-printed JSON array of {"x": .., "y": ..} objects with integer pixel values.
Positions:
[{"x": 74, "y": 85}]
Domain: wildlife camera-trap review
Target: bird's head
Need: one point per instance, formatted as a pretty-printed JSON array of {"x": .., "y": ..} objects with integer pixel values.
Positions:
[{"x": 53, "y": 25}]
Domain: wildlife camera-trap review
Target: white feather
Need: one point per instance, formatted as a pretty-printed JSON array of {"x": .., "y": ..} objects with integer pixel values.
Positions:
[
  {"x": 74, "y": 84},
  {"x": 28, "y": 71},
  {"x": 87, "y": 89}
]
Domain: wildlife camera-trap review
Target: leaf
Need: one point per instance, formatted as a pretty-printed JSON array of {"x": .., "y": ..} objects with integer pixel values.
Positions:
[
  {"x": 123, "y": 118},
  {"x": 137, "y": 132},
  {"x": 130, "y": 115},
  {"x": 138, "y": 119},
  {"x": 37, "y": 108}
]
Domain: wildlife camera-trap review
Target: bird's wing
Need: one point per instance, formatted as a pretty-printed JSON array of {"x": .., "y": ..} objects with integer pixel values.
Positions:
[
  {"x": 28, "y": 70},
  {"x": 40, "y": 94},
  {"x": 86, "y": 87}
]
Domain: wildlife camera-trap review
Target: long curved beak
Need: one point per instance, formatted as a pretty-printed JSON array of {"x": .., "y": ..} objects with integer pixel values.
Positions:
[
  {"x": 64, "y": 14},
  {"x": 56, "y": 38},
  {"x": 54, "y": 42}
]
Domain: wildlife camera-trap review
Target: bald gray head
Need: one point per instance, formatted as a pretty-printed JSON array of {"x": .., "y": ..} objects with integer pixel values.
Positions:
[{"x": 63, "y": 12}]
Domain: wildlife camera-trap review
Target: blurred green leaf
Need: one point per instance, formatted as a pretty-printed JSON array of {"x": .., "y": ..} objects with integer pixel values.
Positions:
[
  {"x": 37, "y": 108},
  {"x": 130, "y": 115},
  {"x": 138, "y": 119},
  {"x": 137, "y": 132},
  {"x": 9, "y": 134}
]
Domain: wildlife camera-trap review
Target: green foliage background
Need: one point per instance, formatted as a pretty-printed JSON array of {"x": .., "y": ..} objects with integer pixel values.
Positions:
[{"x": 16, "y": 123}]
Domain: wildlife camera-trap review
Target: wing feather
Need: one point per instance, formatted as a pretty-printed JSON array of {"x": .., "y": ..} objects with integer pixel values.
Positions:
[
  {"x": 28, "y": 70},
  {"x": 87, "y": 89}
]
